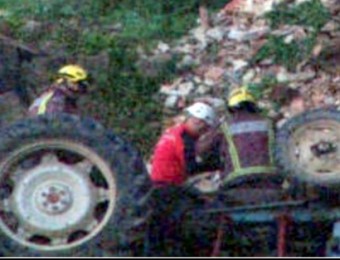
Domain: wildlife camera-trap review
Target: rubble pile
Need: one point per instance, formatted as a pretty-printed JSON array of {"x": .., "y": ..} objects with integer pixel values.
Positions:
[{"x": 216, "y": 59}]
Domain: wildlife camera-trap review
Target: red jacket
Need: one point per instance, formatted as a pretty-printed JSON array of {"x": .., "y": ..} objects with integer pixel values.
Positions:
[{"x": 168, "y": 164}]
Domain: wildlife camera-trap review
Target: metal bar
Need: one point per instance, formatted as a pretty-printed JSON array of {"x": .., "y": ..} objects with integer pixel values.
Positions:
[
  {"x": 281, "y": 236},
  {"x": 299, "y": 211},
  {"x": 217, "y": 244},
  {"x": 272, "y": 206}
]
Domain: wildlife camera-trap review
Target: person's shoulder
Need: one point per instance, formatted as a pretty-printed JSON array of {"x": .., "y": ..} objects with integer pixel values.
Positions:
[
  {"x": 176, "y": 129},
  {"x": 172, "y": 133}
]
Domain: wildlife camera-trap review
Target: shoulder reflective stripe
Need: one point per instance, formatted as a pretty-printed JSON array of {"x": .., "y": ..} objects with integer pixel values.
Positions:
[
  {"x": 44, "y": 101},
  {"x": 248, "y": 126},
  {"x": 249, "y": 171},
  {"x": 231, "y": 146}
]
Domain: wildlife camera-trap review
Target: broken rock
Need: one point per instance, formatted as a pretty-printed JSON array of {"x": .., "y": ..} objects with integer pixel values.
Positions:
[{"x": 240, "y": 35}]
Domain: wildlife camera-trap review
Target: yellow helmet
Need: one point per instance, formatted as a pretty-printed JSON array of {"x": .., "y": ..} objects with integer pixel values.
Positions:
[
  {"x": 240, "y": 95},
  {"x": 73, "y": 73}
]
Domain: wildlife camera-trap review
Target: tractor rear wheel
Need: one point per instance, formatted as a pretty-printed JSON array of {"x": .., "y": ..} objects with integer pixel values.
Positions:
[
  {"x": 308, "y": 148},
  {"x": 70, "y": 188}
]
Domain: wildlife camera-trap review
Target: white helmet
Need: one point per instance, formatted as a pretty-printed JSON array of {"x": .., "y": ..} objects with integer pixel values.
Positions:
[{"x": 202, "y": 111}]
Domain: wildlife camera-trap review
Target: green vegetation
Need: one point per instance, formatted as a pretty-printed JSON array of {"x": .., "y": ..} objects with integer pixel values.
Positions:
[
  {"x": 123, "y": 99},
  {"x": 310, "y": 14},
  {"x": 258, "y": 89},
  {"x": 287, "y": 54}
]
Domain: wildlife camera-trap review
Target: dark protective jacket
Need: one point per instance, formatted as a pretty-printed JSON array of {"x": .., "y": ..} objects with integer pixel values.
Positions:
[
  {"x": 56, "y": 99},
  {"x": 246, "y": 149}
]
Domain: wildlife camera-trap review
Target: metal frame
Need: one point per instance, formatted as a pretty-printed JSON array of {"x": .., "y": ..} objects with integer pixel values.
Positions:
[{"x": 281, "y": 213}]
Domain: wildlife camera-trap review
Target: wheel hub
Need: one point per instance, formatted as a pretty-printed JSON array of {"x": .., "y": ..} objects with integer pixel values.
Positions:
[
  {"x": 52, "y": 204},
  {"x": 54, "y": 199},
  {"x": 315, "y": 148}
]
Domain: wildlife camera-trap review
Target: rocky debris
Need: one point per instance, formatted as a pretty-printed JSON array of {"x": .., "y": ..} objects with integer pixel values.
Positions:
[
  {"x": 242, "y": 35},
  {"x": 220, "y": 57},
  {"x": 254, "y": 7}
]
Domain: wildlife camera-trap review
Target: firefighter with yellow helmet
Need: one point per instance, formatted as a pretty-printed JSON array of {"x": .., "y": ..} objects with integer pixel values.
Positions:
[
  {"x": 242, "y": 144},
  {"x": 246, "y": 147},
  {"x": 62, "y": 96}
]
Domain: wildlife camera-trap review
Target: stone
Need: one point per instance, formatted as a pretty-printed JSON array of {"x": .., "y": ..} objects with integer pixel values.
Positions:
[
  {"x": 166, "y": 89},
  {"x": 202, "y": 89},
  {"x": 185, "y": 48},
  {"x": 296, "y": 30},
  {"x": 214, "y": 73},
  {"x": 239, "y": 64},
  {"x": 186, "y": 88},
  {"x": 267, "y": 62},
  {"x": 254, "y": 7},
  {"x": 197, "y": 80},
  {"x": 284, "y": 76},
  {"x": 317, "y": 50},
  {"x": 187, "y": 61},
  {"x": 330, "y": 100},
  {"x": 330, "y": 26},
  {"x": 171, "y": 101},
  {"x": 242, "y": 35},
  {"x": 248, "y": 76},
  {"x": 209, "y": 82},
  {"x": 219, "y": 104},
  {"x": 199, "y": 34},
  {"x": 216, "y": 33},
  {"x": 163, "y": 47},
  {"x": 289, "y": 39}
]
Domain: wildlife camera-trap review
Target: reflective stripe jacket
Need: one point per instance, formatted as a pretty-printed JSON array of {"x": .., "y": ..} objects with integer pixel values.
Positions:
[
  {"x": 56, "y": 99},
  {"x": 247, "y": 146}
]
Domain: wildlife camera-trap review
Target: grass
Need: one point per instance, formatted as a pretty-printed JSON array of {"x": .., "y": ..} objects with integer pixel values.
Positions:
[
  {"x": 309, "y": 13},
  {"x": 125, "y": 96},
  {"x": 312, "y": 15}
]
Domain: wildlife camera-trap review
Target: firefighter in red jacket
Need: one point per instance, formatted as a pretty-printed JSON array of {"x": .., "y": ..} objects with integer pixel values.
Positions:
[
  {"x": 173, "y": 161},
  {"x": 63, "y": 94},
  {"x": 174, "y": 157}
]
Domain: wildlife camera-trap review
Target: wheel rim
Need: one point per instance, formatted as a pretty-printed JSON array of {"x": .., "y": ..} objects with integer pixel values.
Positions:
[
  {"x": 55, "y": 195},
  {"x": 315, "y": 149}
]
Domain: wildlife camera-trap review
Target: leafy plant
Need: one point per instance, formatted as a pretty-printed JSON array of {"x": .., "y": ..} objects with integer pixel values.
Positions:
[
  {"x": 259, "y": 89},
  {"x": 310, "y": 13},
  {"x": 287, "y": 54}
]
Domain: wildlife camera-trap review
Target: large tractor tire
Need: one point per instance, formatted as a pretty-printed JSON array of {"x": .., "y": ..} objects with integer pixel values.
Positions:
[
  {"x": 308, "y": 148},
  {"x": 68, "y": 187}
]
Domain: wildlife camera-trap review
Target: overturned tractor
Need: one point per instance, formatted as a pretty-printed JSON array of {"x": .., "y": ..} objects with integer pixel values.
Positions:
[{"x": 69, "y": 187}]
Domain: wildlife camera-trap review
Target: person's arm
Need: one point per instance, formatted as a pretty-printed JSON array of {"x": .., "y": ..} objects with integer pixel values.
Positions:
[
  {"x": 192, "y": 166},
  {"x": 206, "y": 142},
  {"x": 165, "y": 165}
]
